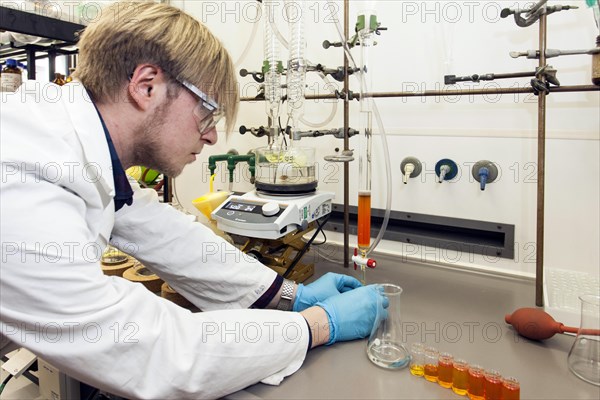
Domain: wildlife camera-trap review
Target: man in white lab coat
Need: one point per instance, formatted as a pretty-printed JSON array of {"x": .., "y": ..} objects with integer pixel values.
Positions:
[{"x": 152, "y": 83}]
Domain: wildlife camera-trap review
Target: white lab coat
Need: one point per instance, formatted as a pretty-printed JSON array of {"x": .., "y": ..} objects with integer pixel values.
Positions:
[{"x": 58, "y": 215}]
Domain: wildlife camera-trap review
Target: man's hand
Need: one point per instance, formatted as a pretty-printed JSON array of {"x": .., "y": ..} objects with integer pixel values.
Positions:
[
  {"x": 328, "y": 285},
  {"x": 346, "y": 316}
]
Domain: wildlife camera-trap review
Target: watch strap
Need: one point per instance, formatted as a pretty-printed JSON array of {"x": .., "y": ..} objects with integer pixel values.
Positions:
[{"x": 287, "y": 295}]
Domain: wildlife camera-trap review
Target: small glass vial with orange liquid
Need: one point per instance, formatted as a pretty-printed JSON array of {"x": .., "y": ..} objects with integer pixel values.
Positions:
[
  {"x": 511, "y": 389},
  {"x": 492, "y": 385},
  {"x": 445, "y": 362},
  {"x": 476, "y": 383},
  {"x": 430, "y": 369},
  {"x": 460, "y": 377}
]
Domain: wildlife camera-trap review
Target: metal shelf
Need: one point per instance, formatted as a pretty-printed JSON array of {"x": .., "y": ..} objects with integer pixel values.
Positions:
[{"x": 61, "y": 38}]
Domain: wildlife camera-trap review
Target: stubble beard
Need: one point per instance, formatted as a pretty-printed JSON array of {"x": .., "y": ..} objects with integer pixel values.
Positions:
[{"x": 150, "y": 151}]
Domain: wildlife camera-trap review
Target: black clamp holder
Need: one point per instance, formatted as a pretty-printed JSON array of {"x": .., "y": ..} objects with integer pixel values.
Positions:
[
  {"x": 258, "y": 132},
  {"x": 258, "y": 76},
  {"x": 548, "y": 72},
  {"x": 354, "y": 42},
  {"x": 343, "y": 95},
  {"x": 338, "y": 133},
  {"x": 327, "y": 44},
  {"x": 544, "y": 76},
  {"x": 261, "y": 93},
  {"x": 379, "y": 29},
  {"x": 338, "y": 73},
  {"x": 453, "y": 79},
  {"x": 534, "y": 13}
]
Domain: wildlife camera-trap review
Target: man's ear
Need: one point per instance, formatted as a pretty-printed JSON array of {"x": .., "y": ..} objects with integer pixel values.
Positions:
[{"x": 142, "y": 85}]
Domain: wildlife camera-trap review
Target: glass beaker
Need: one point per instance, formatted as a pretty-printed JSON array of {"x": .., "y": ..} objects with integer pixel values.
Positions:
[
  {"x": 384, "y": 347},
  {"x": 584, "y": 357},
  {"x": 286, "y": 171}
]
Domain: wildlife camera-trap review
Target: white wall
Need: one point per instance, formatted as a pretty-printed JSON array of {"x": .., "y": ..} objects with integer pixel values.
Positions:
[{"x": 425, "y": 41}]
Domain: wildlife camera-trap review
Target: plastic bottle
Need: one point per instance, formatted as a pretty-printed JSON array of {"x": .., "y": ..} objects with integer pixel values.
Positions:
[
  {"x": 11, "y": 78},
  {"x": 70, "y": 77},
  {"x": 58, "y": 79}
]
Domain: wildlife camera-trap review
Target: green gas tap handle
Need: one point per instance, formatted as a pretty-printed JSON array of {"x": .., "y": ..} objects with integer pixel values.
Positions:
[
  {"x": 233, "y": 160},
  {"x": 213, "y": 160}
]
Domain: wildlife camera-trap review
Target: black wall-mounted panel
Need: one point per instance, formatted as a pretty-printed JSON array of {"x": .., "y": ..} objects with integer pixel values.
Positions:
[{"x": 469, "y": 236}]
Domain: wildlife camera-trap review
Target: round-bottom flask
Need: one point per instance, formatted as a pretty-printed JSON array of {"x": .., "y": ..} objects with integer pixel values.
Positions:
[{"x": 384, "y": 347}]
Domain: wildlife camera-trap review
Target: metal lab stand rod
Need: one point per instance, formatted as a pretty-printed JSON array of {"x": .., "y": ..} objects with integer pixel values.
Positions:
[
  {"x": 347, "y": 141},
  {"x": 482, "y": 91},
  {"x": 442, "y": 93},
  {"x": 541, "y": 188}
]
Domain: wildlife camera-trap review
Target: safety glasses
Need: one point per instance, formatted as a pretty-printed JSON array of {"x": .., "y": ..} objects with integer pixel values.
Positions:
[{"x": 215, "y": 113}]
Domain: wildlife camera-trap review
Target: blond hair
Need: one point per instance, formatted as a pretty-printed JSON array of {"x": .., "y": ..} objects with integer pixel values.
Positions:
[{"x": 129, "y": 33}]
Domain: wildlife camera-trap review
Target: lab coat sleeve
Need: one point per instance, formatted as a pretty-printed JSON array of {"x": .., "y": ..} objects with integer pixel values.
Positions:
[
  {"x": 114, "y": 334},
  {"x": 198, "y": 264}
]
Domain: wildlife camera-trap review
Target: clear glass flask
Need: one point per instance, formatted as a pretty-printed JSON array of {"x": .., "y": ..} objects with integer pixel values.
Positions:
[
  {"x": 584, "y": 357},
  {"x": 286, "y": 170},
  {"x": 384, "y": 347}
]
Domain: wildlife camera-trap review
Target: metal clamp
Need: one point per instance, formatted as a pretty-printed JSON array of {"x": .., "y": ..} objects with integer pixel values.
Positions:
[
  {"x": 534, "y": 13},
  {"x": 257, "y": 76}
]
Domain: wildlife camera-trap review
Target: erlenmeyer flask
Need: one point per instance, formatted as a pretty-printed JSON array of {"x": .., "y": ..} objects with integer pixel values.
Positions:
[
  {"x": 384, "y": 347},
  {"x": 584, "y": 357}
]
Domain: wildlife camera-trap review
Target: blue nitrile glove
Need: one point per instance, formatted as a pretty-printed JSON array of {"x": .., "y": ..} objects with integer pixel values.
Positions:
[
  {"x": 326, "y": 286},
  {"x": 352, "y": 314}
]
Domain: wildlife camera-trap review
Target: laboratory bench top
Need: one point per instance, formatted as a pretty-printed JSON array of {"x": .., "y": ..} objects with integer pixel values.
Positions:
[{"x": 453, "y": 310}]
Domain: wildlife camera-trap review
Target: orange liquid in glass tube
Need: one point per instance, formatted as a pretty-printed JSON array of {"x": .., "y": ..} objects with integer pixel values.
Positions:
[{"x": 364, "y": 220}]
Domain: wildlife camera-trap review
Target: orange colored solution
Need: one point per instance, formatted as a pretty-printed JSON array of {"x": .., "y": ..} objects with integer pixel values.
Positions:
[
  {"x": 364, "y": 220},
  {"x": 417, "y": 370},
  {"x": 511, "y": 390},
  {"x": 492, "y": 386},
  {"x": 460, "y": 378},
  {"x": 476, "y": 381},
  {"x": 431, "y": 372},
  {"x": 445, "y": 372}
]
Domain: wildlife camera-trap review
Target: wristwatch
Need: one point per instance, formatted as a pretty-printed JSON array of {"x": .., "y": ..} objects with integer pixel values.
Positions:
[{"x": 287, "y": 295}]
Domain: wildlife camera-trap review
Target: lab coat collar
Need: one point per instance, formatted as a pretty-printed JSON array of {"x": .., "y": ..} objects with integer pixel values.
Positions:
[
  {"x": 88, "y": 129},
  {"x": 123, "y": 191}
]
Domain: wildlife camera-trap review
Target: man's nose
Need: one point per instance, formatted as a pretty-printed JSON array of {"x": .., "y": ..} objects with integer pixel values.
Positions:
[{"x": 211, "y": 136}]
